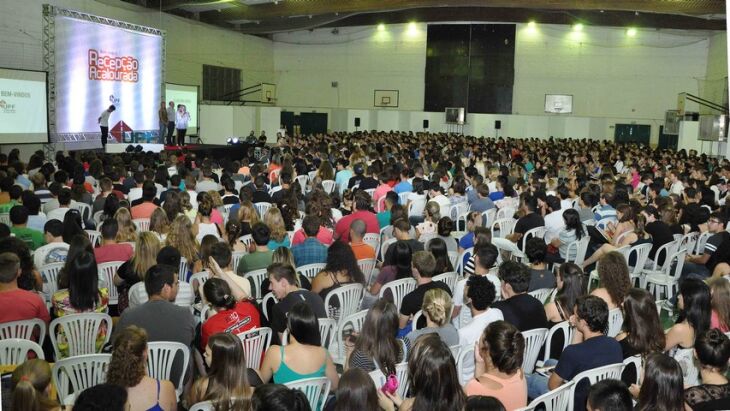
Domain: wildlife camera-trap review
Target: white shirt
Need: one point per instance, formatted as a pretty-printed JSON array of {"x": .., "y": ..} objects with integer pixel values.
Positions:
[
  {"x": 104, "y": 118},
  {"x": 566, "y": 204},
  {"x": 57, "y": 214},
  {"x": 185, "y": 295},
  {"x": 207, "y": 185},
  {"x": 181, "y": 120},
  {"x": 444, "y": 203},
  {"x": 470, "y": 333},
  {"x": 135, "y": 193},
  {"x": 677, "y": 188},
  {"x": 554, "y": 224}
]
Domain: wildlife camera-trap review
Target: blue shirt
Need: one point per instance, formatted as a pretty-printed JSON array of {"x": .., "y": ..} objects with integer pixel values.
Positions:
[
  {"x": 311, "y": 251},
  {"x": 497, "y": 195},
  {"x": 403, "y": 187},
  {"x": 342, "y": 178},
  {"x": 273, "y": 244},
  {"x": 605, "y": 212}
]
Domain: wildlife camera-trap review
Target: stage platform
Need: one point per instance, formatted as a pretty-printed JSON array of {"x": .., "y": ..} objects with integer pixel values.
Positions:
[
  {"x": 121, "y": 148},
  {"x": 231, "y": 152}
]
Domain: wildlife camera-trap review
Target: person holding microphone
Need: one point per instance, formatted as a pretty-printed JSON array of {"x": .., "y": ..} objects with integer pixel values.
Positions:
[{"x": 181, "y": 123}]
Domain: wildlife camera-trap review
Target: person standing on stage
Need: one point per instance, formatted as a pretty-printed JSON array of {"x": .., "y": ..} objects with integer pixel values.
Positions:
[
  {"x": 170, "y": 123},
  {"x": 181, "y": 123},
  {"x": 162, "y": 114},
  {"x": 104, "y": 124}
]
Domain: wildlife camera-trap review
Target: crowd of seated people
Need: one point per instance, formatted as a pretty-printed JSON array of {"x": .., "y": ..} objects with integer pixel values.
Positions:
[{"x": 397, "y": 270}]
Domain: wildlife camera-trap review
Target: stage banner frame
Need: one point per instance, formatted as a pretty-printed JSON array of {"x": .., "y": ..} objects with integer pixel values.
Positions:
[{"x": 50, "y": 13}]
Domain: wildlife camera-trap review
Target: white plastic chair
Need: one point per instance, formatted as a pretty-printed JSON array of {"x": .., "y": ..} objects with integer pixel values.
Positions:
[
  {"x": 398, "y": 289},
  {"x": 262, "y": 208},
  {"x": 555, "y": 400},
  {"x": 384, "y": 247},
  {"x": 448, "y": 278},
  {"x": 637, "y": 363},
  {"x": 506, "y": 212},
  {"x": 255, "y": 343},
  {"x": 327, "y": 327},
  {"x": 465, "y": 364},
  {"x": 542, "y": 294},
  {"x": 97, "y": 218},
  {"x": 576, "y": 251},
  {"x": 415, "y": 208},
  {"x": 302, "y": 181},
  {"x": 80, "y": 331},
  {"x": 235, "y": 259},
  {"x": 505, "y": 227},
  {"x": 372, "y": 239},
  {"x": 348, "y": 296},
  {"x": 414, "y": 322},
  {"x": 533, "y": 232},
  {"x": 138, "y": 295},
  {"x": 668, "y": 277},
  {"x": 94, "y": 237},
  {"x": 701, "y": 241},
  {"x": 311, "y": 270},
  {"x": 488, "y": 217},
  {"x": 24, "y": 329},
  {"x": 456, "y": 210},
  {"x": 453, "y": 257},
  {"x": 460, "y": 261},
  {"x": 5, "y": 219},
  {"x": 143, "y": 224},
  {"x": 328, "y": 186},
  {"x": 246, "y": 240},
  {"x": 75, "y": 374},
  {"x": 401, "y": 372},
  {"x": 202, "y": 406},
  {"x": 14, "y": 351},
  {"x": 49, "y": 274},
  {"x": 351, "y": 323},
  {"x": 182, "y": 273},
  {"x": 641, "y": 254},
  {"x": 316, "y": 390},
  {"x": 690, "y": 370},
  {"x": 256, "y": 277},
  {"x": 566, "y": 329},
  {"x": 615, "y": 321},
  {"x": 107, "y": 271},
  {"x": 534, "y": 340},
  {"x": 607, "y": 372},
  {"x": 336, "y": 214},
  {"x": 83, "y": 208},
  {"x": 367, "y": 266},
  {"x": 160, "y": 357}
]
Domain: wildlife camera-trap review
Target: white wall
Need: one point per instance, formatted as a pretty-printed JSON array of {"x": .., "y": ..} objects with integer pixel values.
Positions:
[{"x": 613, "y": 78}]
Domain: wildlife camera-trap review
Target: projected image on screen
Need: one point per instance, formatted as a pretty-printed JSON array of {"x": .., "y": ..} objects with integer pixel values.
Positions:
[
  {"x": 187, "y": 96},
  {"x": 98, "y": 65},
  {"x": 23, "y": 110}
]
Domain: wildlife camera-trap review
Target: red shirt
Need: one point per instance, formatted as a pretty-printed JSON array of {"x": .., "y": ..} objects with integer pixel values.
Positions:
[
  {"x": 343, "y": 226},
  {"x": 243, "y": 317},
  {"x": 113, "y": 252},
  {"x": 16, "y": 305},
  {"x": 143, "y": 210}
]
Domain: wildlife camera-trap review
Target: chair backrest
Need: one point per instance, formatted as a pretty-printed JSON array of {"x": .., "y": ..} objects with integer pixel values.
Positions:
[
  {"x": 336, "y": 214},
  {"x": 262, "y": 208},
  {"x": 97, "y": 218},
  {"x": 465, "y": 364},
  {"x": 675, "y": 263},
  {"x": 624, "y": 251},
  {"x": 398, "y": 289},
  {"x": 505, "y": 212},
  {"x": 107, "y": 271},
  {"x": 349, "y": 297},
  {"x": 403, "y": 198},
  {"x": 246, "y": 239},
  {"x": 615, "y": 321},
  {"x": 689, "y": 241},
  {"x": 80, "y": 332},
  {"x": 350, "y": 323},
  {"x": 456, "y": 210},
  {"x": 384, "y": 247},
  {"x": 417, "y": 205},
  {"x": 505, "y": 226},
  {"x": 14, "y": 351},
  {"x": 5, "y": 219},
  {"x": 316, "y": 390},
  {"x": 367, "y": 266},
  {"x": 327, "y": 328},
  {"x": 541, "y": 294},
  {"x": 661, "y": 255},
  {"x": 160, "y": 357},
  {"x": 94, "y": 237},
  {"x": 401, "y": 373},
  {"x": 236, "y": 258},
  {"x": 311, "y": 270},
  {"x": 641, "y": 253},
  {"x": 372, "y": 239},
  {"x": 24, "y": 329},
  {"x": 75, "y": 374},
  {"x": 533, "y": 343},
  {"x": 461, "y": 260},
  {"x": 533, "y": 232},
  {"x": 566, "y": 329},
  {"x": 255, "y": 343},
  {"x": 607, "y": 372},
  {"x": 448, "y": 278},
  {"x": 143, "y": 224},
  {"x": 83, "y": 208},
  {"x": 202, "y": 406},
  {"x": 488, "y": 217},
  {"x": 637, "y": 363},
  {"x": 582, "y": 249},
  {"x": 328, "y": 186},
  {"x": 690, "y": 370},
  {"x": 701, "y": 241},
  {"x": 182, "y": 273},
  {"x": 49, "y": 274},
  {"x": 453, "y": 257},
  {"x": 256, "y": 277},
  {"x": 302, "y": 180},
  {"x": 417, "y": 316},
  {"x": 269, "y": 299},
  {"x": 370, "y": 191},
  {"x": 555, "y": 400}
]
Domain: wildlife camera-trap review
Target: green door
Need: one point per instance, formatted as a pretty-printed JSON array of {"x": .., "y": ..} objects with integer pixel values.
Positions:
[{"x": 632, "y": 133}]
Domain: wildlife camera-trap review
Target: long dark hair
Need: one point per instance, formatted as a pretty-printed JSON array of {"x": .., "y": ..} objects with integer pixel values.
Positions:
[
  {"x": 111, "y": 205},
  {"x": 377, "y": 338},
  {"x": 505, "y": 345},
  {"x": 572, "y": 222},
  {"x": 437, "y": 247},
  {"x": 83, "y": 282},
  {"x": 228, "y": 385},
  {"x": 341, "y": 258},
  {"x": 641, "y": 322},
  {"x": 356, "y": 392},
  {"x": 696, "y": 300},
  {"x": 72, "y": 225},
  {"x": 662, "y": 388},
  {"x": 78, "y": 244},
  {"x": 401, "y": 258},
  {"x": 434, "y": 382},
  {"x": 218, "y": 293},
  {"x": 303, "y": 324},
  {"x": 567, "y": 296}
]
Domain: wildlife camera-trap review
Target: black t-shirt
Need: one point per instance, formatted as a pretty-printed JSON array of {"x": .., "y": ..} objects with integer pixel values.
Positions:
[
  {"x": 713, "y": 247},
  {"x": 661, "y": 234},
  {"x": 260, "y": 196},
  {"x": 414, "y": 244},
  {"x": 280, "y": 311},
  {"x": 278, "y": 196},
  {"x": 413, "y": 301},
  {"x": 523, "y": 311},
  {"x": 527, "y": 223}
]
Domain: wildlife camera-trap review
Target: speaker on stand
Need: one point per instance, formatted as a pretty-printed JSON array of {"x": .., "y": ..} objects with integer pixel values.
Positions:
[
  {"x": 497, "y": 127},
  {"x": 425, "y": 125},
  {"x": 357, "y": 123}
]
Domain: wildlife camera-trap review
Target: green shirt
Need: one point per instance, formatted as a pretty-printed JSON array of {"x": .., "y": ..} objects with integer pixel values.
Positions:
[
  {"x": 33, "y": 238},
  {"x": 254, "y": 261},
  {"x": 5, "y": 208},
  {"x": 383, "y": 218}
]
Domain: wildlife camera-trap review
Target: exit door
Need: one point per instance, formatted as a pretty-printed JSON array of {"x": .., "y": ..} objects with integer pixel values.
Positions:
[{"x": 632, "y": 133}]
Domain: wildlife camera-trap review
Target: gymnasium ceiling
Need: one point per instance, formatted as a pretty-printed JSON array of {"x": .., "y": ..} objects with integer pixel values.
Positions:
[{"x": 265, "y": 17}]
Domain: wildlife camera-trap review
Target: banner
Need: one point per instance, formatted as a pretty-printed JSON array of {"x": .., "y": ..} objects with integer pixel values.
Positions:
[{"x": 23, "y": 112}]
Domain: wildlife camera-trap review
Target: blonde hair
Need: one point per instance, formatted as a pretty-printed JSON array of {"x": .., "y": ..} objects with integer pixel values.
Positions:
[
  {"x": 720, "y": 288},
  {"x": 181, "y": 237},
  {"x": 185, "y": 201},
  {"x": 127, "y": 366},
  {"x": 216, "y": 197},
  {"x": 433, "y": 211},
  {"x": 159, "y": 223},
  {"x": 145, "y": 254},
  {"x": 284, "y": 255},
  {"x": 274, "y": 220},
  {"x": 30, "y": 380},
  {"x": 127, "y": 230},
  {"x": 247, "y": 212},
  {"x": 437, "y": 306}
]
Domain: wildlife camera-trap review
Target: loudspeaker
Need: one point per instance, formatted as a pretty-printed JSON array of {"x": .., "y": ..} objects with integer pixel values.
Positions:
[
  {"x": 425, "y": 124},
  {"x": 497, "y": 124},
  {"x": 357, "y": 121}
]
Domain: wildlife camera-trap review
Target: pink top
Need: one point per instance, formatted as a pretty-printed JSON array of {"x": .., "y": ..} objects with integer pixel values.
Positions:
[
  {"x": 216, "y": 217},
  {"x": 715, "y": 322},
  {"x": 143, "y": 210},
  {"x": 379, "y": 192},
  {"x": 513, "y": 393},
  {"x": 324, "y": 236}
]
